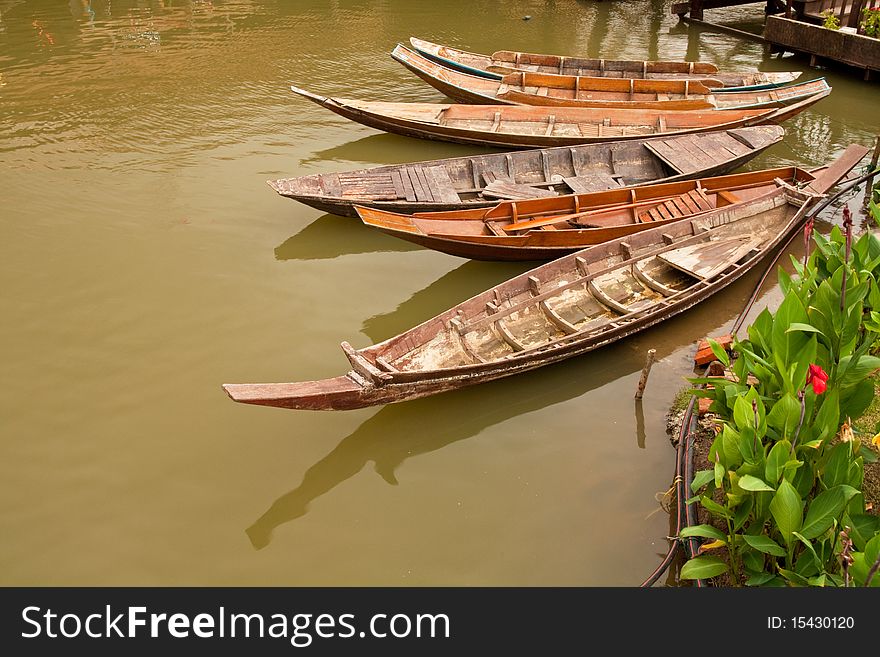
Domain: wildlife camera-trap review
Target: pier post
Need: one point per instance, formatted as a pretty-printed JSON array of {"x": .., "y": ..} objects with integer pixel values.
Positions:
[{"x": 643, "y": 381}]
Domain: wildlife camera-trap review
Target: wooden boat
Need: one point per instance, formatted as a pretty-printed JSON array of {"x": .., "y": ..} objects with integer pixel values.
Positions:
[
  {"x": 571, "y": 91},
  {"x": 520, "y": 126},
  {"x": 500, "y": 63},
  {"x": 561, "y": 309},
  {"x": 546, "y": 228},
  {"x": 460, "y": 183}
]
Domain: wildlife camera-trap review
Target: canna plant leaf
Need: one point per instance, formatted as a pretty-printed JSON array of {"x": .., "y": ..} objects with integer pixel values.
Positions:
[{"x": 785, "y": 507}]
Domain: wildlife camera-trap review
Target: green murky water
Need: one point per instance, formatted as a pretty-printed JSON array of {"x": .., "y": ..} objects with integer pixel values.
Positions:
[{"x": 144, "y": 261}]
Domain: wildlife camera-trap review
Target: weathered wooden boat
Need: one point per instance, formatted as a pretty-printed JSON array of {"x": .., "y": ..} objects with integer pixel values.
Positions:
[
  {"x": 480, "y": 181},
  {"x": 546, "y": 228},
  {"x": 524, "y": 88},
  {"x": 521, "y": 126},
  {"x": 561, "y": 309},
  {"x": 500, "y": 63}
]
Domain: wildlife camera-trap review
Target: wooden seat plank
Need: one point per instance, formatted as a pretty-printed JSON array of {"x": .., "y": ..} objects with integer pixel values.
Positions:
[
  {"x": 416, "y": 183},
  {"x": 705, "y": 260},
  {"x": 690, "y": 204},
  {"x": 729, "y": 143},
  {"x": 501, "y": 189},
  {"x": 397, "y": 181},
  {"x": 595, "y": 181},
  {"x": 698, "y": 196},
  {"x": 441, "y": 184},
  {"x": 680, "y": 206}
]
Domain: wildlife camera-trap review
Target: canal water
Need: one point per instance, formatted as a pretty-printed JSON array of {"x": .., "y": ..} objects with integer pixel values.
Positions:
[{"x": 144, "y": 261}]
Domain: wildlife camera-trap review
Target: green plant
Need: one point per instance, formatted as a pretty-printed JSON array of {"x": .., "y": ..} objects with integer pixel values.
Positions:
[
  {"x": 874, "y": 203},
  {"x": 871, "y": 22},
  {"x": 831, "y": 21},
  {"x": 787, "y": 471}
]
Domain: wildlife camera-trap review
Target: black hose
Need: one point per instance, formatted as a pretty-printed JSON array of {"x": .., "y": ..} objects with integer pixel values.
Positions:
[{"x": 675, "y": 543}]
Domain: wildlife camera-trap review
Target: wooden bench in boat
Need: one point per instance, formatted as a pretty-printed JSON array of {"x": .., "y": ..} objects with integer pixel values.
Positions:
[
  {"x": 500, "y": 188},
  {"x": 379, "y": 186},
  {"x": 693, "y": 202},
  {"x": 689, "y": 153},
  {"x": 597, "y": 181},
  {"x": 703, "y": 261},
  {"x": 425, "y": 184}
]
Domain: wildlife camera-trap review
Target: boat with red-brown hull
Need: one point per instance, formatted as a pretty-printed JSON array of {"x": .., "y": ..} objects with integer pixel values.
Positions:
[
  {"x": 523, "y": 88},
  {"x": 522, "y": 126},
  {"x": 546, "y": 228},
  {"x": 564, "y": 308},
  {"x": 502, "y": 62}
]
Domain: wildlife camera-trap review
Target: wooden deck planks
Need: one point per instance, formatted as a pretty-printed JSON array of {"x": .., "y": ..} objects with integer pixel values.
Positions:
[
  {"x": 706, "y": 260},
  {"x": 503, "y": 189},
  {"x": 372, "y": 185},
  {"x": 441, "y": 184},
  {"x": 592, "y": 182}
]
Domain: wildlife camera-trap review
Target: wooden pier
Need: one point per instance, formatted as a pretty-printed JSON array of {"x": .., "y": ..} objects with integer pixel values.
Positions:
[
  {"x": 797, "y": 26},
  {"x": 800, "y": 29},
  {"x": 695, "y": 8}
]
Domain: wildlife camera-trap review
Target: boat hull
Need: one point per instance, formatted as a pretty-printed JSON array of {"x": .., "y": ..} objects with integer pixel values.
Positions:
[
  {"x": 308, "y": 189},
  {"x": 502, "y": 63},
  {"x": 395, "y": 118}
]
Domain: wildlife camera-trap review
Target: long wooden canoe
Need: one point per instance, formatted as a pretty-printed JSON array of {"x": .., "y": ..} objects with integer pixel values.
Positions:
[
  {"x": 562, "y": 309},
  {"x": 546, "y": 228},
  {"x": 460, "y": 183},
  {"x": 572, "y": 91},
  {"x": 500, "y": 63},
  {"x": 520, "y": 126}
]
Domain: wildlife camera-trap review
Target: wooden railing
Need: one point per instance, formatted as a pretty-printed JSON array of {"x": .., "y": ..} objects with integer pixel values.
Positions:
[{"x": 848, "y": 13}]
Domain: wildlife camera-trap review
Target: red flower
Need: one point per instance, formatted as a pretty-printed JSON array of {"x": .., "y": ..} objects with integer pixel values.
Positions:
[{"x": 817, "y": 377}]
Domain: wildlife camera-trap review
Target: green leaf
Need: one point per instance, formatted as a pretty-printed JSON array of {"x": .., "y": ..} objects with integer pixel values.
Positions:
[
  {"x": 868, "y": 455},
  {"x": 752, "y": 560},
  {"x": 794, "y": 578},
  {"x": 826, "y": 421},
  {"x": 863, "y": 561},
  {"x": 759, "y": 579},
  {"x": 776, "y": 583},
  {"x": 810, "y": 550},
  {"x": 862, "y": 368},
  {"x": 719, "y": 473},
  {"x": 719, "y": 352},
  {"x": 743, "y": 414},
  {"x": 765, "y": 544},
  {"x": 730, "y": 447},
  {"x": 823, "y": 511},
  {"x": 748, "y": 482},
  {"x": 855, "y": 400},
  {"x": 702, "y": 478},
  {"x": 872, "y": 550},
  {"x": 863, "y": 527},
  {"x": 703, "y": 568},
  {"x": 785, "y": 507},
  {"x": 776, "y": 460},
  {"x": 785, "y": 415},
  {"x": 819, "y": 580},
  {"x": 836, "y": 470},
  {"x": 703, "y": 531},
  {"x": 798, "y": 326},
  {"x": 713, "y": 507},
  {"x": 742, "y": 513}
]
